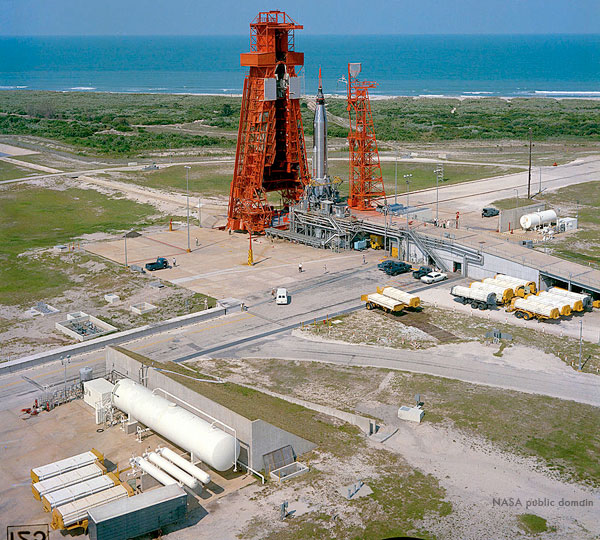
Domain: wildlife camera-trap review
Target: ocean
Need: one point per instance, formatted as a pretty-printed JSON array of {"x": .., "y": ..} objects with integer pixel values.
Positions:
[{"x": 483, "y": 65}]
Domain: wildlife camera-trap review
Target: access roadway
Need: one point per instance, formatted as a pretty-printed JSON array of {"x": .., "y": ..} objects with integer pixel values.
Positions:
[{"x": 267, "y": 331}]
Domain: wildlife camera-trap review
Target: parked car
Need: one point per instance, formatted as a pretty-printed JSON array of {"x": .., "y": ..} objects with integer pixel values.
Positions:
[
  {"x": 434, "y": 277},
  {"x": 158, "y": 264},
  {"x": 281, "y": 297},
  {"x": 397, "y": 267},
  {"x": 423, "y": 271},
  {"x": 489, "y": 212},
  {"x": 384, "y": 265}
]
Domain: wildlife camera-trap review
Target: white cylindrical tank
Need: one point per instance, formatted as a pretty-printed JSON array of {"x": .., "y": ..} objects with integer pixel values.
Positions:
[
  {"x": 537, "y": 219},
  {"x": 410, "y": 300},
  {"x": 154, "y": 472},
  {"x": 184, "y": 464},
  {"x": 208, "y": 443},
  {"x": 503, "y": 292},
  {"x": 475, "y": 294},
  {"x": 562, "y": 304},
  {"x": 536, "y": 307},
  {"x": 173, "y": 470},
  {"x": 586, "y": 299}
]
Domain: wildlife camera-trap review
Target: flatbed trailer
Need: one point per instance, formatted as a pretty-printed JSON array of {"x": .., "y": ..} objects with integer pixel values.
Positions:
[
  {"x": 387, "y": 304},
  {"x": 477, "y": 298},
  {"x": 527, "y": 309}
]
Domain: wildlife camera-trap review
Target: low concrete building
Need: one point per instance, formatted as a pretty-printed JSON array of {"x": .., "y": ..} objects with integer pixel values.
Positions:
[{"x": 256, "y": 437}]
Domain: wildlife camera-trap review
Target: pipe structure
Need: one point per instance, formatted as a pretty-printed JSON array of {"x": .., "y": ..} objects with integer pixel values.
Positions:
[
  {"x": 184, "y": 464},
  {"x": 173, "y": 470},
  {"x": 153, "y": 471}
]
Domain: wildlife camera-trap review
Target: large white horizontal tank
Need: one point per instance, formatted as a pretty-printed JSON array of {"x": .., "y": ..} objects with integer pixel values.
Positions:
[
  {"x": 207, "y": 442},
  {"x": 537, "y": 219}
]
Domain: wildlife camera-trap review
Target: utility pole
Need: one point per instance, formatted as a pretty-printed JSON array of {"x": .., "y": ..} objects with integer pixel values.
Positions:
[
  {"x": 529, "y": 179},
  {"x": 65, "y": 362},
  {"x": 580, "y": 342},
  {"x": 396, "y": 180},
  {"x": 187, "y": 183},
  {"x": 439, "y": 175},
  {"x": 407, "y": 177}
]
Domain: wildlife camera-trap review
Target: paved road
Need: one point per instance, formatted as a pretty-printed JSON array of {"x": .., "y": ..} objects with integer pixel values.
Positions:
[
  {"x": 266, "y": 331},
  {"x": 332, "y": 293},
  {"x": 457, "y": 361}
]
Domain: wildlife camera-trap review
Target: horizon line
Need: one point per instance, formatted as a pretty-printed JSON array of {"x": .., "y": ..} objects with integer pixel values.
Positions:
[{"x": 307, "y": 34}]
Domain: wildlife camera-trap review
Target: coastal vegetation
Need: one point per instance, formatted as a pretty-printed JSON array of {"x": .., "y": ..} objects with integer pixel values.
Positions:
[{"x": 129, "y": 124}]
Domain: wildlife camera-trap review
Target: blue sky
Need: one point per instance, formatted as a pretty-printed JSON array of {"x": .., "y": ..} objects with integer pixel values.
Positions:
[{"x": 226, "y": 17}]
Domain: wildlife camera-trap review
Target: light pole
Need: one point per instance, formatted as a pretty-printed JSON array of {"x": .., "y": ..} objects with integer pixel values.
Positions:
[
  {"x": 517, "y": 197},
  {"x": 199, "y": 213},
  {"x": 396, "y": 180},
  {"x": 439, "y": 175},
  {"x": 187, "y": 183},
  {"x": 580, "y": 342},
  {"x": 540, "y": 180},
  {"x": 65, "y": 362},
  {"x": 529, "y": 177},
  {"x": 126, "y": 265},
  {"x": 407, "y": 177}
]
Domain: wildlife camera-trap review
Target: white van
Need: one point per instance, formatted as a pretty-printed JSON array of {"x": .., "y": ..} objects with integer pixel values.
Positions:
[{"x": 281, "y": 297}]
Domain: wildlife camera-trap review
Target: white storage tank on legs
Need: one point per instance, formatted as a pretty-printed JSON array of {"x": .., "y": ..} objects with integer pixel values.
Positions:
[
  {"x": 537, "y": 219},
  {"x": 205, "y": 441}
]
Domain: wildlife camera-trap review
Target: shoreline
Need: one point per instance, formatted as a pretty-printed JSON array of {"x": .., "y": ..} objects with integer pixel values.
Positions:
[{"x": 550, "y": 94}]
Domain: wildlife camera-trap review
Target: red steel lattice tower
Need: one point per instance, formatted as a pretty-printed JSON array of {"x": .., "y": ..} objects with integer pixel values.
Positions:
[
  {"x": 366, "y": 182},
  {"x": 271, "y": 153}
]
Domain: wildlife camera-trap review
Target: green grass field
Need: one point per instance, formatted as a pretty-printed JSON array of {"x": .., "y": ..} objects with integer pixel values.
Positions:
[
  {"x": 213, "y": 179},
  {"x": 33, "y": 218},
  {"x": 423, "y": 176},
  {"x": 8, "y": 171}
]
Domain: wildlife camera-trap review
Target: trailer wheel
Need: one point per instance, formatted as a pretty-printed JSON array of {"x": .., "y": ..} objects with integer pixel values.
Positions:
[
  {"x": 474, "y": 305},
  {"x": 482, "y": 307},
  {"x": 518, "y": 315},
  {"x": 368, "y": 305},
  {"x": 526, "y": 316}
]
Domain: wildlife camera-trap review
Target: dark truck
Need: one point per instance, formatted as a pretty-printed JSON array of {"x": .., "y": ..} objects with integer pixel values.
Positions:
[
  {"x": 489, "y": 212},
  {"x": 158, "y": 264},
  {"x": 393, "y": 268},
  {"x": 423, "y": 271}
]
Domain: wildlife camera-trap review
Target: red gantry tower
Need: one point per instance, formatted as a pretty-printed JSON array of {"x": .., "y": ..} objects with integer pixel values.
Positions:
[
  {"x": 271, "y": 154},
  {"x": 366, "y": 182}
]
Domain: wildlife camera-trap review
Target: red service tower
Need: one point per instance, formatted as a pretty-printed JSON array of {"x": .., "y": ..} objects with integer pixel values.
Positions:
[
  {"x": 366, "y": 182},
  {"x": 271, "y": 153}
]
